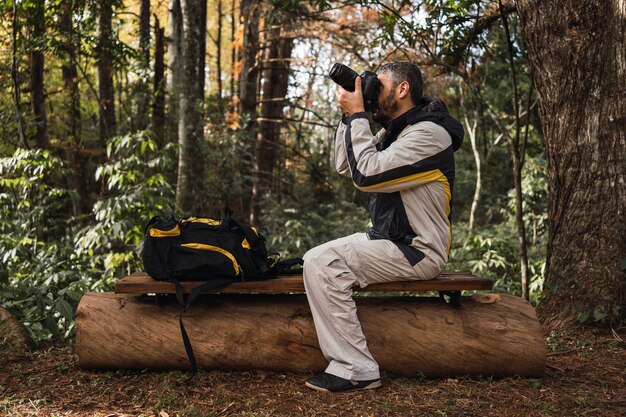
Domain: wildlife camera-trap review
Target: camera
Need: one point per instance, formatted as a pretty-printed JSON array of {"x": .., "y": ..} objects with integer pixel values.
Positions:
[{"x": 346, "y": 76}]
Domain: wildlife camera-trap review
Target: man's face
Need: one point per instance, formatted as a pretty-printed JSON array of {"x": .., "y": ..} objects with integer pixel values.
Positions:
[{"x": 387, "y": 102}]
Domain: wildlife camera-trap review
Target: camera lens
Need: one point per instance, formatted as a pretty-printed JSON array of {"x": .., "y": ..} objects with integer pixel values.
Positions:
[{"x": 343, "y": 75}]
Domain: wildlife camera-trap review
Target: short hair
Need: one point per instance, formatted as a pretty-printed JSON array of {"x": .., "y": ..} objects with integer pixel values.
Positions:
[{"x": 399, "y": 71}]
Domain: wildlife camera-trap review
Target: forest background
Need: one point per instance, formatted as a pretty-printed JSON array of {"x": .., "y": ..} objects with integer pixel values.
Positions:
[{"x": 112, "y": 112}]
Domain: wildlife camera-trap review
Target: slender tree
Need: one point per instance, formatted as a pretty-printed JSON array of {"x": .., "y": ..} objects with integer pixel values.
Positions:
[
  {"x": 37, "y": 62},
  {"x": 189, "y": 194},
  {"x": 576, "y": 50},
  {"x": 158, "y": 104},
  {"x": 70, "y": 50},
  {"x": 143, "y": 90},
  {"x": 104, "y": 58},
  {"x": 218, "y": 47},
  {"x": 174, "y": 65},
  {"x": 17, "y": 101}
]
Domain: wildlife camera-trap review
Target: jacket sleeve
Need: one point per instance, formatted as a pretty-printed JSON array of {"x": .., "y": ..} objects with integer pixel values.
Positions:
[
  {"x": 415, "y": 158},
  {"x": 341, "y": 159}
]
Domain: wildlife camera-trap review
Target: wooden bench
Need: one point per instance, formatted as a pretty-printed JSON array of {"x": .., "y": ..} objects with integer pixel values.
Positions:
[
  {"x": 447, "y": 283},
  {"x": 268, "y": 325}
]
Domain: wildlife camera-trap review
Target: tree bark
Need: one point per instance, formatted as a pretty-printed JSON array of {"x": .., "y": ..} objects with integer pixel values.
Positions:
[
  {"x": 37, "y": 62},
  {"x": 158, "y": 105},
  {"x": 490, "y": 334},
  {"x": 275, "y": 84},
  {"x": 105, "y": 71},
  {"x": 191, "y": 162},
  {"x": 576, "y": 51}
]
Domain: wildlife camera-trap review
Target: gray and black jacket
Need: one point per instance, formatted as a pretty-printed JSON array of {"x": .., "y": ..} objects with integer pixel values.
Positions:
[{"x": 408, "y": 171}]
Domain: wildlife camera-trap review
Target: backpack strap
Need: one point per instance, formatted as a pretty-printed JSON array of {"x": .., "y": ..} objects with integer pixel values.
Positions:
[
  {"x": 286, "y": 267},
  {"x": 256, "y": 244},
  {"x": 209, "y": 285}
]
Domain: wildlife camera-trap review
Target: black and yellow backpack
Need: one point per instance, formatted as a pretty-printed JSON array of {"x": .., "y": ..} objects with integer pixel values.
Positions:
[{"x": 217, "y": 252}]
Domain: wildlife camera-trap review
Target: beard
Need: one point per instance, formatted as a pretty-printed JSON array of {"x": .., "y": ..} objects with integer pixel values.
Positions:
[{"x": 385, "y": 109}]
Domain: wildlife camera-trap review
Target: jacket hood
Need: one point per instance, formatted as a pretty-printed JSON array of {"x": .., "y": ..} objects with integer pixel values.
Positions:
[{"x": 430, "y": 109}]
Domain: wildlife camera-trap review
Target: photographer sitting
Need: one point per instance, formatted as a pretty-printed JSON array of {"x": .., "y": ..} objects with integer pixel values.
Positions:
[{"x": 407, "y": 169}]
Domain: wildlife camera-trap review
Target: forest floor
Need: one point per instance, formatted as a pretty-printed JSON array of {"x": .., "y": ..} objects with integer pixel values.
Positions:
[{"x": 585, "y": 376}]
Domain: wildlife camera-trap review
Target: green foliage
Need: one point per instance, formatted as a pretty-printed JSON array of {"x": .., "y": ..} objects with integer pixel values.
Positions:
[
  {"x": 49, "y": 261},
  {"x": 294, "y": 228},
  {"x": 136, "y": 190},
  {"x": 39, "y": 280}
]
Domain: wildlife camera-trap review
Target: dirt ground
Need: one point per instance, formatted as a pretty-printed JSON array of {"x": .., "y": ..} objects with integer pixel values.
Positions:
[{"x": 585, "y": 376}]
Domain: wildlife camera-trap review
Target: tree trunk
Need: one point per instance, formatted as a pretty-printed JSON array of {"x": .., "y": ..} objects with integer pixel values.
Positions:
[
  {"x": 232, "y": 50},
  {"x": 202, "y": 4},
  {"x": 576, "y": 50},
  {"x": 105, "y": 71},
  {"x": 174, "y": 65},
  {"x": 250, "y": 12},
  {"x": 143, "y": 95},
  {"x": 37, "y": 94},
  {"x": 70, "y": 50},
  {"x": 471, "y": 132},
  {"x": 218, "y": 47},
  {"x": 490, "y": 334},
  {"x": 158, "y": 105},
  {"x": 15, "y": 78},
  {"x": 191, "y": 161},
  {"x": 275, "y": 84}
]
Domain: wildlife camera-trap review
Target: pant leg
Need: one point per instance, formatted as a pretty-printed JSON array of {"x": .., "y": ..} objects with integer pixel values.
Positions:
[{"x": 330, "y": 272}]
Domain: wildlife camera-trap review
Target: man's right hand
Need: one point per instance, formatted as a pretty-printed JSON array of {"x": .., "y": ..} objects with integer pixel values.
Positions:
[{"x": 351, "y": 102}]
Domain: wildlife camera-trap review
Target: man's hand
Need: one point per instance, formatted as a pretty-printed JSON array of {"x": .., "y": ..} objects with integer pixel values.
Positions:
[{"x": 350, "y": 103}]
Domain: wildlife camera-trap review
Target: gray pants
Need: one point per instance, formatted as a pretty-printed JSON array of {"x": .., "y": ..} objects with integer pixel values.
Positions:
[{"x": 330, "y": 272}]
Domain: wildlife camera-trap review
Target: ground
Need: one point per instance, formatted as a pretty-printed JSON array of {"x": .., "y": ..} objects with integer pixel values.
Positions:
[{"x": 586, "y": 376}]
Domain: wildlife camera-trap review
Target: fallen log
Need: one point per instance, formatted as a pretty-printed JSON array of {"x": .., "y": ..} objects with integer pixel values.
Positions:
[{"x": 490, "y": 334}]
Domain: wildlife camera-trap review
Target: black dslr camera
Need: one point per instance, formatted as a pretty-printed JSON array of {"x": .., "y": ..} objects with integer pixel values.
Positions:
[{"x": 345, "y": 77}]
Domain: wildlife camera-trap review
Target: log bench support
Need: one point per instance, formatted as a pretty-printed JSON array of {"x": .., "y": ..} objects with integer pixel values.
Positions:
[{"x": 486, "y": 334}]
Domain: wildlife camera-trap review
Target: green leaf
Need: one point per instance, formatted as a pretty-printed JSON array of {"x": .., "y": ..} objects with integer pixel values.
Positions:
[
  {"x": 65, "y": 309},
  {"x": 582, "y": 316}
]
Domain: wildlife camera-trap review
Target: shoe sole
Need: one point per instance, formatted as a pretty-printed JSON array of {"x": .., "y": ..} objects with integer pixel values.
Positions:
[{"x": 372, "y": 385}]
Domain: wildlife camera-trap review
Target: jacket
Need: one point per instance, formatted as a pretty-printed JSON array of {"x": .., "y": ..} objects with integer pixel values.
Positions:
[{"x": 408, "y": 171}]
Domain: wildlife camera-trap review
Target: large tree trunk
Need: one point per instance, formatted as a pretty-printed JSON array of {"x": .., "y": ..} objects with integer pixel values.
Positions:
[
  {"x": 278, "y": 46},
  {"x": 105, "y": 71},
  {"x": 189, "y": 194},
  {"x": 37, "y": 94},
  {"x": 489, "y": 334},
  {"x": 158, "y": 105},
  {"x": 577, "y": 52}
]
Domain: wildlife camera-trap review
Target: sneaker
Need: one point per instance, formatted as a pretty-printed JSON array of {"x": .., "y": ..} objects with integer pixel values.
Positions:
[{"x": 331, "y": 383}]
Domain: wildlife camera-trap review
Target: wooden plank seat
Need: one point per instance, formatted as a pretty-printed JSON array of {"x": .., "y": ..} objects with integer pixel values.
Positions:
[{"x": 142, "y": 283}]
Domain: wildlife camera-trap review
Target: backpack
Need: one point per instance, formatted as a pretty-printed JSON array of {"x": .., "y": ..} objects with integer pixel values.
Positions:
[{"x": 215, "y": 251}]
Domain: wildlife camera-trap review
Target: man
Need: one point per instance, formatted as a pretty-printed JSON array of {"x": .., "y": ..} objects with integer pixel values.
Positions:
[{"x": 408, "y": 171}]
